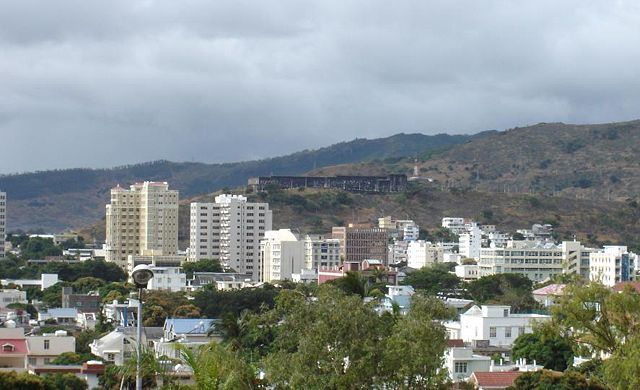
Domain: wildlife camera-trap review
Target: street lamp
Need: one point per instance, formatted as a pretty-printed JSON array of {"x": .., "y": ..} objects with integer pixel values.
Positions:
[{"x": 141, "y": 275}]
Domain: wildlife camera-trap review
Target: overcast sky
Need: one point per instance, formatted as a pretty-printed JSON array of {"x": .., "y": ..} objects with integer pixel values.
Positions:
[{"x": 102, "y": 83}]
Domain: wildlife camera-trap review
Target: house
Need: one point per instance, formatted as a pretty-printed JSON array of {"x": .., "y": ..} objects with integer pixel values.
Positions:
[
  {"x": 84, "y": 303},
  {"x": 189, "y": 332},
  {"x": 399, "y": 296},
  {"x": 63, "y": 316},
  {"x": 461, "y": 361},
  {"x": 548, "y": 295},
  {"x": 13, "y": 350},
  {"x": 495, "y": 323},
  {"x": 122, "y": 314},
  {"x": 168, "y": 279},
  {"x": 9, "y": 296},
  {"x": 45, "y": 348},
  {"x": 620, "y": 286},
  {"x": 120, "y": 344},
  {"x": 89, "y": 371},
  {"x": 493, "y": 380}
]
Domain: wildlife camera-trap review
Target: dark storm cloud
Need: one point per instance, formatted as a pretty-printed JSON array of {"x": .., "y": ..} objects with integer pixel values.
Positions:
[{"x": 101, "y": 83}]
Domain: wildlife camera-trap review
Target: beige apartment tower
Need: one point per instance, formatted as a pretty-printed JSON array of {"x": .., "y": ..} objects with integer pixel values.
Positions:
[
  {"x": 142, "y": 221},
  {"x": 230, "y": 230}
]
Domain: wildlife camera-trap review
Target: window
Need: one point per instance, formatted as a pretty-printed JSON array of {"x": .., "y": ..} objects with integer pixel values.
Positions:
[
  {"x": 111, "y": 357},
  {"x": 492, "y": 332},
  {"x": 46, "y": 344},
  {"x": 460, "y": 367},
  {"x": 520, "y": 330},
  {"x": 506, "y": 312},
  {"x": 507, "y": 332}
]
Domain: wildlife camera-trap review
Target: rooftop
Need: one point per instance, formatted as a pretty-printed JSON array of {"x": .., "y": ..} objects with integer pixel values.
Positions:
[{"x": 495, "y": 380}]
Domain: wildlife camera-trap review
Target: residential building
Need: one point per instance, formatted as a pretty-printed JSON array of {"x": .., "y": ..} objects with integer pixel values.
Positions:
[
  {"x": 362, "y": 243},
  {"x": 424, "y": 254},
  {"x": 397, "y": 252},
  {"x": 537, "y": 232},
  {"x": 155, "y": 260},
  {"x": 548, "y": 295},
  {"x": 305, "y": 276},
  {"x": 89, "y": 371},
  {"x": 45, "y": 281},
  {"x": 398, "y": 298},
  {"x": 45, "y": 348},
  {"x": 613, "y": 264},
  {"x": 320, "y": 252},
  {"x": 188, "y": 332},
  {"x": 455, "y": 224},
  {"x": 168, "y": 279},
  {"x": 495, "y": 323},
  {"x": 467, "y": 271},
  {"x": 3, "y": 221},
  {"x": 537, "y": 260},
  {"x": 120, "y": 344},
  {"x": 230, "y": 229},
  {"x": 121, "y": 314},
  {"x": 461, "y": 361},
  {"x": 9, "y": 296},
  {"x": 470, "y": 242},
  {"x": 405, "y": 229},
  {"x": 142, "y": 220},
  {"x": 221, "y": 280},
  {"x": 281, "y": 255},
  {"x": 66, "y": 316},
  {"x": 84, "y": 303},
  {"x": 494, "y": 380},
  {"x": 13, "y": 350}
]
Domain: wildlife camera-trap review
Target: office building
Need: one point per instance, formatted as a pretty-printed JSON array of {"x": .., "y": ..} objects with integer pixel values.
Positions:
[
  {"x": 362, "y": 243},
  {"x": 141, "y": 221}
]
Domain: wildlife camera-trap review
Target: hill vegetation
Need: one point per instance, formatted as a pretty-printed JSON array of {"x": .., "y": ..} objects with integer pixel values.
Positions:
[{"x": 60, "y": 199}]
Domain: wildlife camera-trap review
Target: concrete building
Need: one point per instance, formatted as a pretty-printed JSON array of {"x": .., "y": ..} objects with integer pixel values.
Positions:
[
  {"x": 467, "y": 271},
  {"x": 537, "y": 260},
  {"x": 45, "y": 348},
  {"x": 9, "y": 296},
  {"x": 140, "y": 221},
  {"x": 469, "y": 243},
  {"x": 461, "y": 361},
  {"x": 423, "y": 254},
  {"x": 613, "y": 264},
  {"x": 320, "y": 252},
  {"x": 84, "y": 303},
  {"x": 66, "y": 316},
  {"x": 3, "y": 221},
  {"x": 45, "y": 281},
  {"x": 168, "y": 279},
  {"x": 361, "y": 243},
  {"x": 455, "y": 224},
  {"x": 281, "y": 255},
  {"x": 188, "y": 332},
  {"x": 494, "y": 323},
  {"x": 406, "y": 229},
  {"x": 120, "y": 344},
  {"x": 221, "y": 280},
  {"x": 230, "y": 229},
  {"x": 154, "y": 260}
]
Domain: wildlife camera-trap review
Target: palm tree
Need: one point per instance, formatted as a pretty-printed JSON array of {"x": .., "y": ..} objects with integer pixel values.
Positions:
[{"x": 216, "y": 367}]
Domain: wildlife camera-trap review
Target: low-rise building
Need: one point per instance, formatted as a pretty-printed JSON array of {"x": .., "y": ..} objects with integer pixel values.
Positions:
[
  {"x": 46, "y": 280},
  {"x": 84, "y": 303},
  {"x": 493, "y": 380},
  {"x": 120, "y": 344},
  {"x": 9, "y": 296},
  {"x": 495, "y": 323},
  {"x": 468, "y": 271},
  {"x": 45, "y": 348},
  {"x": 13, "y": 350},
  {"x": 168, "y": 279},
  {"x": 461, "y": 361},
  {"x": 62, "y": 316},
  {"x": 221, "y": 280},
  {"x": 548, "y": 295},
  {"x": 188, "y": 332}
]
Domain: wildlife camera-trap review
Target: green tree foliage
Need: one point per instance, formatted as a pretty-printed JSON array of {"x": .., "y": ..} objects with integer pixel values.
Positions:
[
  {"x": 213, "y": 303},
  {"x": 550, "y": 380},
  {"x": 25, "y": 381},
  {"x": 514, "y": 290},
  {"x": 39, "y": 248},
  {"x": 187, "y": 311},
  {"x": 434, "y": 280},
  {"x": 64, "y": 381},
  {"x": 216, "y": 367},
  {"x": 159, "y": 304},
  {"x": 203, "y": 265},
  {"x": 84, "y": 338},
  {"x": 547, "y": 346},
  {"x": 27, "y": 307},
  {"x": 73, "y": 358}
]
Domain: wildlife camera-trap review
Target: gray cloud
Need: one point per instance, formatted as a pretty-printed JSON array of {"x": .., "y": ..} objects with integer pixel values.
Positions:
[{"x": 95, "y": 83}]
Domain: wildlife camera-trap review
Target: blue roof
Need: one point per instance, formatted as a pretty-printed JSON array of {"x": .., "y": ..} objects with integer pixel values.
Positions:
[
  {"x": 188, "y": 325},
  {"x": 63, "y": 312}
]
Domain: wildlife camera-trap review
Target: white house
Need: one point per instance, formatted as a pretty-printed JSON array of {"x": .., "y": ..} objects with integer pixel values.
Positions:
[
  {"x": 189, "y": 332},
  {"x": 167, "y": 278},
  {"x": 468, "y": 271},
  {"x": 120, "y": 344},
  {"x": 461, "y": 362},
  {"x": 495, "y": 323},
  {"x": 422, "y": 253}
]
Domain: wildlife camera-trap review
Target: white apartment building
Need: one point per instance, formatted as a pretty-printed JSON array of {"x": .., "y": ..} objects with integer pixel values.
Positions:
[
  {"x": 613, "y": 264},
  {"x": 495, "y": 323},
  {"x": 168, "y": 279},
  {"x": 142, "y": 220},
  {"x": 320, "y": 252},
  {"x": 281, "y": 255},
  {"x": 455, "y": 224},
  {"x": 423, "y": 254},
  {"x": 467, "y": 271},
  {"x": 469, "y": 243},
  {"x": 3, "y": 221},
  {"x": 230, "y": 229},
  {"x": 537, "y": 260},
  {"x": 406, "y": 228}
]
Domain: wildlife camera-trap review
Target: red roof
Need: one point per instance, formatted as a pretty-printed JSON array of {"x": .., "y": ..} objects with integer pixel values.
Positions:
[
  {"x": 619, "y": 287},
  {"x": 455, "y": 343},
  {"x": 19, "y": 347},
  {"x": 495, "y": 380}
]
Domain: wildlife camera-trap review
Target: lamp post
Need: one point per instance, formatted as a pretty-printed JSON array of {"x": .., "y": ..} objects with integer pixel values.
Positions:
[{"x": 141, "y": 275}]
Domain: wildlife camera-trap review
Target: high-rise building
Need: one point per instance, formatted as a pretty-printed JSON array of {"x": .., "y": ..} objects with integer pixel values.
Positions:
[
  {"x": 230, "y": 230},
  {"x": 321, "y": 252},
  {"x": 613, "y": 264},
  {"x": 362, "y": 243},
  {"x": 422, "y": 253},
  {"x": 142, "y": 221},
  {"x": 3, "y": 221}
]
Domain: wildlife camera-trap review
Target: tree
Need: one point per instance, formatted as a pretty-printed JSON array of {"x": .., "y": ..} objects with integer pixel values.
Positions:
[
  {"x": 547, "y": 346},
  {"x": 352, "y": 283},
  {"x": 216, "y": 367},
  {"x": 550, "y": 380},
  {"x": 434, "y": 280},
  {"x": 514, "y": 290},
  {"x": 73, "y": 358},
  {"x": 203, "y": 265},
  {"x": 187, "y": 311},
  {"x": 65, "y": 381}
]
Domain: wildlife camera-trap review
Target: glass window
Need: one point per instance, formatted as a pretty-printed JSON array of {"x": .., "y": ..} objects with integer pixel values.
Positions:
[{"x": 492, "y": 332}]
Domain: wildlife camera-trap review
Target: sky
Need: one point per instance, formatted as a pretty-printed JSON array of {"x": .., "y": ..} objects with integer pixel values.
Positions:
[{"x": 88, "y": 83}]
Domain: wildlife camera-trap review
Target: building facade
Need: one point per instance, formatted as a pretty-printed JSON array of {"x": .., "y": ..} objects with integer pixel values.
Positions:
[
  {"x": 168, "y": 279},
  {"x": 140, "y": 221},
  {"x": 281, "y": 255},
  {"x": 230, "y": 229},
  {"x": 359, "y": 244},
  {"x": 84, "y": 303},
  {"x": 613, "y": 264},
  {"x": 320, "y": 252},
  {"x": 423, "y": 253}
]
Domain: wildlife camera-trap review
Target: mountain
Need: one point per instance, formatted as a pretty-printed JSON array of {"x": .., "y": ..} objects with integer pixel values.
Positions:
[
  {"x": 577, "y": 161},
  {"x": 71, "y": 198}
]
